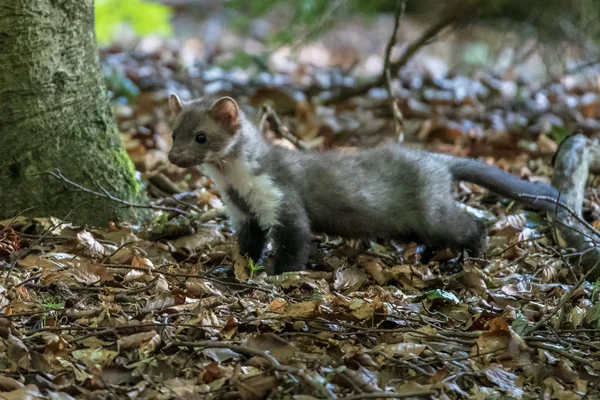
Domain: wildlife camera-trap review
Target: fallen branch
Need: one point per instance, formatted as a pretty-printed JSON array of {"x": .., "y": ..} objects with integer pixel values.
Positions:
[{"x": 576, "y": 158}]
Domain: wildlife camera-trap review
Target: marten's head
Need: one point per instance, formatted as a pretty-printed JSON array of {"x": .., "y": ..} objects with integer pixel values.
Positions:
[{"x": 204, "y": 130}]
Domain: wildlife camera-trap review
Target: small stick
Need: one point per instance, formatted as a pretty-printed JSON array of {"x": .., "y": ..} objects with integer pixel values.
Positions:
[
  {"x": 274, "y": 364},
  {"x": 566, "y": 297},
  {"x": 25, "y": 252},
  {"x": 105, "y": 194},
  {"x": 396, "y": 113},
  {"x": 280, "y": 129},
  {"x": 564, "y": 206}
]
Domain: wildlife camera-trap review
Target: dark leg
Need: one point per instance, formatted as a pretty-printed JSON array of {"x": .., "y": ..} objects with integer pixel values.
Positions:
[
  {"x": 459, "y": 231},
  {"x": 291, "y": 239},
  {"x": 251, "y": 240}
]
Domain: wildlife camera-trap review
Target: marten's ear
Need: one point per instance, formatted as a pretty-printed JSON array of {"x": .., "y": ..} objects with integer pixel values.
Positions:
[
  {"x": 175, "y": 104},
  {"x": 226, "y": 112}
]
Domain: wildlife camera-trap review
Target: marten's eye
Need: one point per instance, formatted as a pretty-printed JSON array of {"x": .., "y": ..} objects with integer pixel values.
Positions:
[
  {"x": 173, "y": 135},
  {"x": 200, "y": 137}
]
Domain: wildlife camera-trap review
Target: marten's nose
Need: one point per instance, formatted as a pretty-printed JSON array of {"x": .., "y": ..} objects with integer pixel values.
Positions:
[{"x": 173, "y": 158}]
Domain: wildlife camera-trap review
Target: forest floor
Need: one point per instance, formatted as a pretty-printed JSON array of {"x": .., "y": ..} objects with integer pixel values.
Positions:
[{"x": 172, "y": 311}]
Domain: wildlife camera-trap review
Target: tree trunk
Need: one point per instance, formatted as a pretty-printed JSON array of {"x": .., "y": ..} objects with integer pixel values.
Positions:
[{"x": 55, "y": 114}]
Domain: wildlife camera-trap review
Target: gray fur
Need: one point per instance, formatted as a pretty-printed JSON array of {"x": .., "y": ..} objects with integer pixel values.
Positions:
[{"x": 386, "y": 191}]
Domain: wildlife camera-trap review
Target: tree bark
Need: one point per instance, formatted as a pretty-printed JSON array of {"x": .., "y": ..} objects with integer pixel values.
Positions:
[{"x": 54, "y": 113}]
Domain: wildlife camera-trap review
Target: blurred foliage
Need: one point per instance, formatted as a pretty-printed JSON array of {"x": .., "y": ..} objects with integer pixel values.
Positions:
[
  {"x": 309, "y": 18},
  {"x": 573, "y": 20},
  {"x": 144, "y": 18},
  {"x": 244, "y": 60}
]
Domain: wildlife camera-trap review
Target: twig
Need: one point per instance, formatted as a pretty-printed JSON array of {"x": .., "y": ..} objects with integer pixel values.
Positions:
[
  {"x": 274, "y": 364},
  {"x": 25, "y": 252},
  {"x": 566, "y": 297},
  {"x": 182, "y": 275},
  {"x": 563, "y": 206},
  {"x": 562, "y": 352},
  {"x": 15, "y": 218},
  {"x": 390, "y": 395},
  {"x": 105, "y": 259},
  {"x": 105, "y": 194},
  {"x": 516, "y": 244},
  {"x": 280, "y": 129},
  {"x": 396, "y": 113}
]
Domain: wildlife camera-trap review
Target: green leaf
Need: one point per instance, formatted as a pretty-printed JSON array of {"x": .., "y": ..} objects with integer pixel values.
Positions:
[
  {"x": 520, "y": 324},
  {"x": 438, "y": 294},
  {"x": 559, "y": 133}
]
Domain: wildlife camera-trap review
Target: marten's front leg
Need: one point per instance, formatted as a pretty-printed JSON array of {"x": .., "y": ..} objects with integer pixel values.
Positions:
[
  {"x": 291, "y": 237},
  {"x": 252, "y": 240}
]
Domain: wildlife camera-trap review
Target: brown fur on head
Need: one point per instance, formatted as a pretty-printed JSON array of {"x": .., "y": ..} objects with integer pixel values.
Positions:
[{"x": 204, "y": 130}]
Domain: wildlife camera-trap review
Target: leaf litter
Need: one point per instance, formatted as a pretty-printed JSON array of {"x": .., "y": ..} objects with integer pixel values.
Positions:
[{"x": 173, "y": 311}]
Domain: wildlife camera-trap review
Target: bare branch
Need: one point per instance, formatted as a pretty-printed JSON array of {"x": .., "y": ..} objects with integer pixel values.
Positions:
[
  {"x": 397, "y": 114},
  {"x": 426, "y": 37},
  {"x": 280, "y": 129},
  {"x": 106, "y": 195}
]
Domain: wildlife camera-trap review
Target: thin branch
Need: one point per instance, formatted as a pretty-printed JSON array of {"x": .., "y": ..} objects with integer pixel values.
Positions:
[
  {"x": 25, "y": 252},
  {"x": 563, "y": 206},
  {"x": 566, "y": 297},
  {"x": 396, "y": 113},
  {"x": 9, "y": 225},
  {"x": 274, "y": 364},
  {"x": 280, "y": 129},
  {"x": 449, "y": 18},
  {"x": 106, "y": 195},
  {"x": 390, "y": 395},
  {"x": 562, "y": 352}
]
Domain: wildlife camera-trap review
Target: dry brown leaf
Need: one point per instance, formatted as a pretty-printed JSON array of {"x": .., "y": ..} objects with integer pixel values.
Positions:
[
  {"x": 475, "y": 282},
  {"x": 8, "y": 384},
  {"x": 373, "y": 266},
  {"x": 403, "y": 349},
  {"x": 349, "y": 279},
  {"x": 510, "y": 225},
  {"x": 278, "y": 306},
  {"x": 84, "y": 271},
  {"x": 256, "y": 387},
  {"x": 135, "y": 341},
  {"x": 201, "y": 288},
  {"x": 414, "y": 277},
  {"x": 161, "y": 285},
  {"x": 18, "y": 352},
  {"x": 279, "y": 348},
  {"x": 502, "y": 343},
  {"x": 506, "y": 381},
  {"x": 29, "y": 392},
  {"x": 208, "y": 233},
  {"x": 305, "y": 309},
  {"x": 90, "y": 246},
  {"x": 240, "y": 266}
]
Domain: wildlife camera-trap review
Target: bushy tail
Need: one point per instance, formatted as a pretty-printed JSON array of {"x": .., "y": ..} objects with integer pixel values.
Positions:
[{"x": 501, "y": 182}]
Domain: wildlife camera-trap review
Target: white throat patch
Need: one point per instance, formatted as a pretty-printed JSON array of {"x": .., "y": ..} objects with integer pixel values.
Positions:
[{"x": 259, "y": 191}]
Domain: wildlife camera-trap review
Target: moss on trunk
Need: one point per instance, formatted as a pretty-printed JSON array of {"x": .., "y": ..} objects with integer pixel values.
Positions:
[{"x": 54, "y": 113}]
